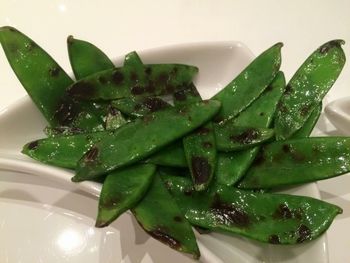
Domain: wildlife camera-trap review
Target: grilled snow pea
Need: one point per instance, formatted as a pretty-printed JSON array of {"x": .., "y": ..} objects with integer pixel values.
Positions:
[
  {"x": 85, "y": 58},
  {"x": 298, "y": 161},
  {"x": 171, "y": 155},
  {"x": 249, "y": 84},
  {"x": 114, "y": 118},
  {"x": 150, "y": 80},
  {"x": 159, "y": 215},
  {"x": 233, "y": 165},
  {"x": 44, "y": 80},
  {"x": 139, "y": 139},
  {"x": 308, "y": 86},
  {"x": 122, "y": 190},
  {"x": 309, "y": 125},
  {"x": 272, "y": 218}
]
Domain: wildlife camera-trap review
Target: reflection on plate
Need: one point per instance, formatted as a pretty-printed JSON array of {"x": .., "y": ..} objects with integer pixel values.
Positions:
[{"x": 53, "y": 222}]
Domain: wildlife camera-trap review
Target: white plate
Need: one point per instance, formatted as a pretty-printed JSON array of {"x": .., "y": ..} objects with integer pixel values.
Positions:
[{"x": 42, "y": 221}]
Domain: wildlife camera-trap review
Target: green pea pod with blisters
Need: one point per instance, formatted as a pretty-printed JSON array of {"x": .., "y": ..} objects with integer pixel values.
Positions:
[
  {"x": 307, "y": 87},
  {"x": 159, "y": 215},
  {"x": 271, "y": 218},
  {"x": 128, "y": 144}
]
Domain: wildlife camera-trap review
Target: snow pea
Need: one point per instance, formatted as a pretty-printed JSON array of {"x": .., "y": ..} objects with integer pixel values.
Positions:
[
  {"x": 249, "y": 84},
  {"x": 133, "y": 60},
  {"x": 44, "y": 80},
  {"x": 114, "y": 118},
  {"x": 298, "y": 161},
  {"x": 85, "y": 58},
  {"x": 309, "y": 125},
  {"x": 232, "y": 166},
  {"x": 122, "y": 190},
  {"x": 171, "y": 155},
  {"x": 187, "y": 95},
  {"x": 272, "y": 218},
  {"x": 142, "y": 137},
  {"x": 308, "y": 86},
  {"x": 159, "y": 215},
  {"x": 150, "y": 80}
]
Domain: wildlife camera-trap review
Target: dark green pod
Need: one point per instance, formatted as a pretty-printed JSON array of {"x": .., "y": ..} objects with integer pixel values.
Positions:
[
  {"x": 149, "y": 80},
  {"x": 85, "y": 58},
  {"x": 271, "y": 218},
  {"x": 308, "y": 86},
  {"x": 186, "y": 96},
  {"x": 43, "y": 79},
  {"x": 139, "y": 139},
  {"x": 122, "y": 190},
  {"x": 249, "y": 84},
  {"x": 114, "y": 118},
  {"x": 171, "y": 155},
  {"x": 298, "y": 161},
  {"x": 232, "y": 166},
  {"x": 310, "y": 123},
  {"x": 159, "y": 215},
  {"x": 133, "y": 60}
]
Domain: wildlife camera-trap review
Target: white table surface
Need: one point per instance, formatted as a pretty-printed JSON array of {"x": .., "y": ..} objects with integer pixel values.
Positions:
[{"x": 301, "y": 25}]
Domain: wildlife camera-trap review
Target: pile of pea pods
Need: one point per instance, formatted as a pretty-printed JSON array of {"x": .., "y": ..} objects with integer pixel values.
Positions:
[{"x": 212, "y": 164}]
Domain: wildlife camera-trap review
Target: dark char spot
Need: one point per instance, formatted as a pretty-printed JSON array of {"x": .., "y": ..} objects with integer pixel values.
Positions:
[
  {"x": 92, "y": 154},
  {"x": 66, "y": 112},
  {"x": 259, "y": 159},
  {"x": 133, "y": 76},
  {"x": 304, "y": 233},
  {"x": 304, "y": 111},
  {"x": 274, "y": 239},
  {"x": 283, "y": 212},
  {"x": 102, "y": 80},
  {"x": 162, "y": 78},
  {"x": 111, "y": 202},
  {"x": 180, "y": 95},
  {"x": 286, "y": 148},
  {"x": 207, "y": 145},
  {"x": 155, "y": 104},
  {"x": 246, "y": 137},
  {"x": 54, "y": 72},
  {"x": 327, "y": 46},
  {"x": 282, "y": 108},
  {"x": 117, "y": 77},
  {"x": 82, "y": 89},
  {"x": 269, "y": 88},
  {"x": 148, "y": 70},
  {"x": 262, "y": 114},
  {"x": 137, "y": 90},
  {"x": 150, "y": 87},
  {"x": 177, "y": 218},
  {"x": 203, "y": 131},
  {"x": 228, "y": 213},
  {"x": 113, "y": 111},
  {"x": 201, "y": 169},
  {"x": 202, "y": 230},
  {"x": 33, "y": 145},
  {"x": 288, "y": 89},
  {"x": 165, "y": 238}
]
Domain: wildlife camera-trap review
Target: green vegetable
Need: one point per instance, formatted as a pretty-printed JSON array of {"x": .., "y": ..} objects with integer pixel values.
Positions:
[
  {"x": 298, "y": 161},
  {"x": 273, "y": 218},
  {"x": 249, "y": 84},
  {"x": 133, "y": 60},
  {"x": 85, "y": 58},
  {"x": 232, "y": 166},
  {"x": 309, "y": 125},
  {"x": 171, "y": 155},
  {"x": 150, "y": 80},
  {"x": 159, "y": 215},
  {"x": 44, "y": 80},
  {"x": 122, "y": 190},
  {"x": 186, "y": 96},
  {"x": 139, "y": 139},
  {"x": 308, "y": 86},
  {"x": 114, "y": 118}
]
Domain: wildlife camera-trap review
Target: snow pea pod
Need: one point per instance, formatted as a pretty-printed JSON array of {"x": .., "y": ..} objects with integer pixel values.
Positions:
[
  {"x": 309, "y": 125},
  {"x": 272, "y": 218},
  {"x": 150, "y": 80},
  {"x": 133, "y": 60},
  {"x": 308, "y": 86},
  {"x": 85, "y": 58},
  {"x": 249, "y": 84},
  {"x": 114, "y": 118},
  {"x": 44, "y": 80},
  {"x": 142, "y": 137},
  {"x": 298, "y": 161},
  {"x": 232, "y": 166},
  {"x": 171, "y": 155},
  {"x": 122, "y": 190},
  {"x": 187, "y": 95},
  {"x": 159, "y": 215}
]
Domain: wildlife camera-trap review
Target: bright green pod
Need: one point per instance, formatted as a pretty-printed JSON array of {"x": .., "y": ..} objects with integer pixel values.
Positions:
[
  {"x": 85, "y": 58},
  {"x": 236, "y": 138},
  {"x": 159, "y": 215},
  {"x": 62, "y": 151},
  {"x": 122, "y": 190},
  {"x": 298, "y": 161},
  {"x": 249, "y": 84},
  {"x": 142, "y": 137},
  {"x": 271, "y": 218},
  {"x": 308, "y": 86},
  {"x": 232, "y": 166},
  {"x": 43, "y": 79},
  {"x": 149, "y": 80},
  {"x": 172, "y": 155},
  {"x": 133, "y": 60}
]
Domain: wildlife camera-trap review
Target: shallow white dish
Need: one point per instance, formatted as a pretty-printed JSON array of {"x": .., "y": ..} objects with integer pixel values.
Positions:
[
  {"x": 338, "y": 112},
  {"x": 38, "y": 198}
]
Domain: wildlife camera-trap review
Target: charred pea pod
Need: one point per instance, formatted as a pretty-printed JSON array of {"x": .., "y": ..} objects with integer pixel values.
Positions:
[
  {"x": 122, "y": 190},
  {"x": 159, "y": 215},
  {"x": 114, "y": 118},
  {"x": 272, "y": 218},
  {"x": 308, "y": 86},
  {"x": 85, "y": 58},
  {"x": 128, "y": 144},
  {"x": 150, "y": 80},
  {"x": 171, "y": 155},
  {"x": 309, "y": 125},
  {"x": 298, "y": 161},
  {"x": 44, "y": 80},
  {"x": 186, "y": 96},
  {"x": 249, "y": 84},
  {"x": 232, "y": 166}
]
